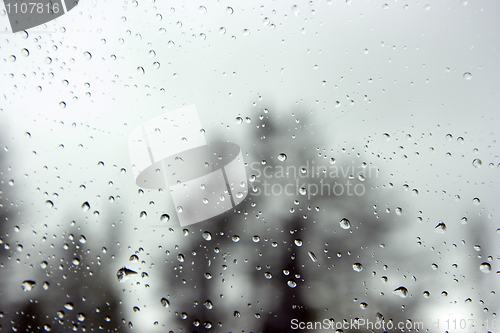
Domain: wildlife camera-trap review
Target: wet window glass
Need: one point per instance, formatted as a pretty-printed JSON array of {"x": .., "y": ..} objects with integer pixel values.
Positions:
[{"x": 251, "y": 166}]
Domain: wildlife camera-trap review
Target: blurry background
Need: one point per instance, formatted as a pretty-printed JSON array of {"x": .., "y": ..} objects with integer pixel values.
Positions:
[{"x": 404, "y": 89}]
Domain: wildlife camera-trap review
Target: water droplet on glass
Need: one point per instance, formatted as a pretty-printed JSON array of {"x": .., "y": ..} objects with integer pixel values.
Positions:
[
  {"x": 268, "y": 275},
  {"x": 282, "y": 157},
  {"x": 27, "y": 285},
  {"x": 80, "y": 317},
  {"x": 476, "y": 201},
  {"x": 208, "y": 305},
  {"x": 156, "y": 65},
  {"x": 298, "y": 242},
  {"x": 180, "y": 257},
  {"x": 399, "y": 211},
  {"x": 426, "y": 294},
  {"x": 87, "y": 55},
  {"x": 164, "y": 218},
  {"x": 164, "y": 302},
  {"x": 357, "y": 267},
  {"x": 477, "y": 163},
  {"x": 295, "y": 10},
  {"x": 143, "y": 215},
  {"x": 345, "y": 224},
  {"x": 62, "y": 105},
  {"x": 363, "y": 305},
  {"x": 25, "y": 52},
  {"x": 49, "y": 203},
  {"x": 229, "y": 10},
  {"x": 312, "y": 256},
  {"x": 401, "y": 292},
  {"x": 485, "y": 267},
  {"x": 202, "y": 10},
  {"x": 85, "y": 206},
  {"x": 68, "y": 306},
  {"x": 207, "y": 236},
  {"x": 124, "y": 273},
  {"x": 467, "y": 76},
  {"x": 291, "y": 283},
  {"x": 140, "y": 70},
  {"x": 440, "y": 228},
  {"x": 236, "y": 238},
  {"x": 255, "y": 239}
]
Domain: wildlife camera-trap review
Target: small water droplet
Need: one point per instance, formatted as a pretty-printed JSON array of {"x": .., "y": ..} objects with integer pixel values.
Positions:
[
  {"x": 298, "y": 242},
  {"x": 295, "y": 10},
  {"x": 202, "y": 10},
  {"x": 467, "y": 76},
  {"x": 426, "y": 294},
  {"x": 143, "y": 215},
  {"x": 87, "y": 55},
  {"x": 236, "y": 238},
  {"x": 291, "y": 283},
  {"x": 312, "y": 256},
  {"x": 140, "y": 70},
  {"x": 268, "y": 275},
  {"x": 477, "y": 163},
  {"x": 180, "y": 257},
  {"x": 476, "y": 201},
  {"x": 229, "y": 10},
  {"x": 440, "y": 228},
  {"x": 68, "y": 306},
  {"x": 164, "y": 218}
]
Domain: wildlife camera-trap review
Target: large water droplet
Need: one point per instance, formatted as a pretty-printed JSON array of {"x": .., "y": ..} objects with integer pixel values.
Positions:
[
  {"x": 485, "y": 267},
  {"x": 236, "y": 238},
  {"x": 85, "y": 206},
  {"x": 124, "y": 273},
  {"x": 208, "y": 305},
  {"x": 291, "y": 283},
  {"x": 164, "y": 302},
  {"x": 401, "y": 292},
  {"x": 477, "y": 163},
  {"x": 27, "y": 285},
  {"x": 357, "y": 267},
  {"x": 207, "y": 236},
  {"x": 282, "y": 157},
  {"x": 345, "y": 224},
  {"x": 164, "y": 218}
]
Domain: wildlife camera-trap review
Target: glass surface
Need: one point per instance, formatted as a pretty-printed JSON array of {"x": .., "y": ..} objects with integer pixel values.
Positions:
[{"x": 251, "y": 166}]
